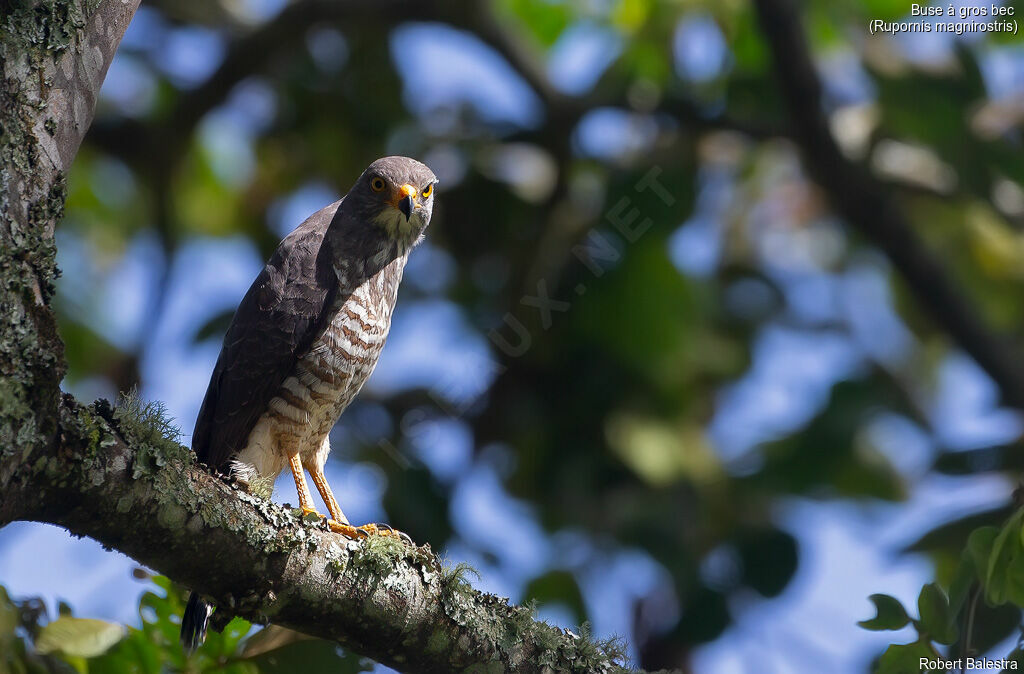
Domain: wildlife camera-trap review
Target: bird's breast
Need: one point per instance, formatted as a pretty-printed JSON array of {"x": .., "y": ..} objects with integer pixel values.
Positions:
[{"x": 339, "y": 361}]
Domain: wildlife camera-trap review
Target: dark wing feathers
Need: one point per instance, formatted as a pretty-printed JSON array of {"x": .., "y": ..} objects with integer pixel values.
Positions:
[{"x": 281, "y": 315}]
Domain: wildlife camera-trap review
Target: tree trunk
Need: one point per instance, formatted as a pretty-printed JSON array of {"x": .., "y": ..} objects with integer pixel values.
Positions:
[{"x": 54, "y": 55}]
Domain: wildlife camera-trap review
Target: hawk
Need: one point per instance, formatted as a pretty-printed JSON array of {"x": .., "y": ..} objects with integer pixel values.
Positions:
[{"x": 304, "y": 339}]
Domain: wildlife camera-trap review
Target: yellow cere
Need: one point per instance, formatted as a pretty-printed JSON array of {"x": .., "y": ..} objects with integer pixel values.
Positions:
[{"x": 408, "y": 191}]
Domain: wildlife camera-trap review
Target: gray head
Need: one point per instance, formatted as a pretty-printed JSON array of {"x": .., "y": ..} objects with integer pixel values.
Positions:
[{"x": 395, "y": 194}]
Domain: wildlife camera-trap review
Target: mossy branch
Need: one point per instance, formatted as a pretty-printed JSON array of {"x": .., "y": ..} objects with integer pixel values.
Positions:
[{"x": 119, "y": 476}]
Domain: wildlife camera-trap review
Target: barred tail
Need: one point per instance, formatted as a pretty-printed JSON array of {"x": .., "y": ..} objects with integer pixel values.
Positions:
[{"x": 193, "y": 623}]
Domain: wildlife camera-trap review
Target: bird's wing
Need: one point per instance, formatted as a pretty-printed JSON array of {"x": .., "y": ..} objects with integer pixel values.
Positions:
[{"x": 280, "y": 316}]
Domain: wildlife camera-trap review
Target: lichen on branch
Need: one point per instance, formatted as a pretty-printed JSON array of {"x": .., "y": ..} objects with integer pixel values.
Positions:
[{"x": 120, "y": 477}]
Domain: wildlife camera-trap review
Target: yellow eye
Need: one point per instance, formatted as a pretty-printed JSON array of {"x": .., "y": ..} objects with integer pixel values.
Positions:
[
  {"x": 377, "y": 184},
  {"x": 427, "y": 192}
]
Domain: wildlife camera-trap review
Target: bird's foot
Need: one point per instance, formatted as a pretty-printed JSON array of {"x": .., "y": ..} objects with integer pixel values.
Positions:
[
  {"x": 356, "y": 533},
  {"x": 367, "y": 530},
  {"x": 310, "y": 515}
]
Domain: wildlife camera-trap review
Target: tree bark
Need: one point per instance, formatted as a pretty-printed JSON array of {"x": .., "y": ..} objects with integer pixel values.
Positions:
[
  {"x": 54, "y": 55},
  {"x": 120, "y": 477},
  {"x": 117, "y": 477}
]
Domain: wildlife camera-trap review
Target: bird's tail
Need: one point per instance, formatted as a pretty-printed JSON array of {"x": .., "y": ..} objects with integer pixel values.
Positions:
[{"x": 194, "y": 621}]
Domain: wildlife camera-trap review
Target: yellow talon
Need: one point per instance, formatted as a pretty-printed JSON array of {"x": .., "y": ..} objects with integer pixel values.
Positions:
[
  {"x": 360, "y": 532},
  {"x": 346, "y": 530}
]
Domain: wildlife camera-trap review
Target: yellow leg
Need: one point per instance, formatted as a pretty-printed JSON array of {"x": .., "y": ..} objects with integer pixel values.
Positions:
[
  {"x": 338, "y": 522},
  {"x": 305, "y": 498},
  {"x": 320, "y": 480}
]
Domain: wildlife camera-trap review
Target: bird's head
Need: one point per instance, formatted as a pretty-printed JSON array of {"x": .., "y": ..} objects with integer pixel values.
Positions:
[{"x": 397, "y": 195}]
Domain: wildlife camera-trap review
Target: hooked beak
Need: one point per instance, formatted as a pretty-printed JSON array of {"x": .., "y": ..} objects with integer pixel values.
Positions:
[{"x": 407, "y": 201}]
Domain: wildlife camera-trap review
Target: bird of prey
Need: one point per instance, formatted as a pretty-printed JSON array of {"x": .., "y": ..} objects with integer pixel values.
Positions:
[{"x": 304, "y": 339}]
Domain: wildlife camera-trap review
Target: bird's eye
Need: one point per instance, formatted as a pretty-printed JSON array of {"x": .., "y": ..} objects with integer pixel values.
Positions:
[
  {"x": 427, "y": 192},
  {"x": 377, "y": 184}
]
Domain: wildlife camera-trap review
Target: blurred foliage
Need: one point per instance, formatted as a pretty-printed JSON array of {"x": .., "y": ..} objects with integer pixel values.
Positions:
[
  {"x": 683, "y": 392},
  {"x": 980, "y": 607},
  {"x": 30, "y": 642}
]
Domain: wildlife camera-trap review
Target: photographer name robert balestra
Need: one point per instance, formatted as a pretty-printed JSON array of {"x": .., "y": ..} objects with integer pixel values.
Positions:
[{"x": 938, "y": 664}]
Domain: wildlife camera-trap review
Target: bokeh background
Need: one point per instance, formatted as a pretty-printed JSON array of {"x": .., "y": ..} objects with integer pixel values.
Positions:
[{"x": 714, "y": 430}]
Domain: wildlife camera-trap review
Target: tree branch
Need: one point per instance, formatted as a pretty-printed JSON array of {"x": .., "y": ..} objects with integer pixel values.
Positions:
[
  {"x": 867, "y": 207},
  {"x": 115, "y": 476}
]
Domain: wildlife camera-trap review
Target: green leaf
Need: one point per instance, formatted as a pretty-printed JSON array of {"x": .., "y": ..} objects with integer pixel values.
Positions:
[
  {"x": 160, "y": 622},
  {"x": 232, "y": 635},
  {"x": 8, "y": 614},
  {"x": 1004, "y": 579},
  {"x": 78, "y": 637},
  {"x": 936, "y": 617},
  {"x": 889, "y": 614},
  {"x": 135, "y": 653},
  {"x": 979, "y": 549},
  {"x": 905, "y": 658},
  {"x": 963, "y": 579},
  {"x": 950, "y": 535},
  {"x": 544, "y": 21}
]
